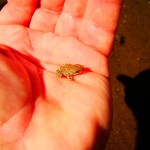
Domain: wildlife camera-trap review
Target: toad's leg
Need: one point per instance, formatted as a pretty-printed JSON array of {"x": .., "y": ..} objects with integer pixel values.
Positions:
[
  {"x": 69, "y": 77},
  {"x": 59, "y": 73}
]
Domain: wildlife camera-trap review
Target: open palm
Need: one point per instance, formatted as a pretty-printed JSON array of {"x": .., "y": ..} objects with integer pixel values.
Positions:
[{"x": 39, "y": 110}]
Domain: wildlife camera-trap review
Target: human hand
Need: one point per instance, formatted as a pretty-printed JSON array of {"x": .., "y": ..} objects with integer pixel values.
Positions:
[{"x": 39, "y": 110}]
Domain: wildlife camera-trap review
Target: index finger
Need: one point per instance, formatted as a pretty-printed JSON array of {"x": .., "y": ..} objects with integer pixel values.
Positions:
[
  {"x": 100, "y": 23},
  {"x": 18, "y": 12}
]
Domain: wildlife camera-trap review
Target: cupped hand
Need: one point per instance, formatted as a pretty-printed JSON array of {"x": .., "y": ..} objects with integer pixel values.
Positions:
[{"x": 39, "y": 110}]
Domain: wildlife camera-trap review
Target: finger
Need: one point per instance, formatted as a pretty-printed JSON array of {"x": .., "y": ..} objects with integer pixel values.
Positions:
[
  {"x": 99, "y": 24},
  {"x": 18, "y": 12},
  {"x": 70, "y": 18},
  {"x": 55, "y": 5},
  {"x": 45, "y": 18}
]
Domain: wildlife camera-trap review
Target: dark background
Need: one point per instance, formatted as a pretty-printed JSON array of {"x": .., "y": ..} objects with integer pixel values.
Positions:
[{"x": 130, "y": 78}]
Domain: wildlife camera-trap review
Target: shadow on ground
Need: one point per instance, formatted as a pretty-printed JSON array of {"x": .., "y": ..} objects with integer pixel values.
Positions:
[{"x": 137, "y": 98}]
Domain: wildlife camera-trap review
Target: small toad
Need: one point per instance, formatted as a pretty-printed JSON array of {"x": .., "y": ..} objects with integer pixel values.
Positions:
[{"x": 69, "y": 70}]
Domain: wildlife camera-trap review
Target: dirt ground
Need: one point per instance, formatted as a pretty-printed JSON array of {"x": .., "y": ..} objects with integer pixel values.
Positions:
[{"x": 130, "y": 79}]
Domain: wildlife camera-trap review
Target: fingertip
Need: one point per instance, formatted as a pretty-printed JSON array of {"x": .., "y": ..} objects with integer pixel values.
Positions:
[{"x": 18, "y": 12}]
